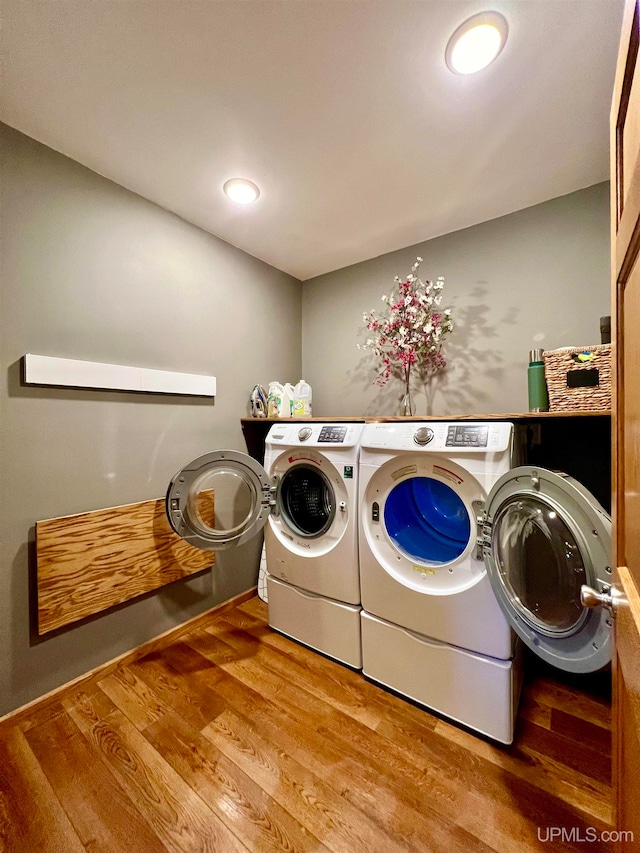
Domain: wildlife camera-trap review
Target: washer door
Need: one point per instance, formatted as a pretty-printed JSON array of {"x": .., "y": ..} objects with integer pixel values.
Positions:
[
  {"x": 545, "y": 536},
  {"x": 220, "y": 500},
  {"x": 307, "y": 501}
]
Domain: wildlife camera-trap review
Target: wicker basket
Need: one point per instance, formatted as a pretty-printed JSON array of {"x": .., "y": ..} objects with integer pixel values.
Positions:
[{"x": 579, "y": 378}]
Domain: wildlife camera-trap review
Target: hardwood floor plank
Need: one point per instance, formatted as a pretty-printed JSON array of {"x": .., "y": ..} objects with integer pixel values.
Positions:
[
  {"x": 399, "y": 809},
  {"x": 542, "y": 774},
  {"x": 228, "y": 736},
  {"x": 581, "y": 731},
  {"x": 166, "y": 674},
  {"x": 546, "y": 772},
  {"x": 293, "y": 697},
  {"x": 502, "y": 828},
  {"x": 32, "y": 817},
  {"x": 341, "y": 695},
  {"x": 102, "y": 815},
  {"x": 255, "y": 607},
  {"x": 87, "y": 705},
  {"x": 534, "y": 711},
  {"x": 184, "y": 662},
  {"x": 177, "y": 814},
  {"x": 405, "y": 756},
  {"x": 249, "y": 812},
  {"x": 132, "y": 696},
  {"x": 196, "y": 700},
  {"x": 41, "y": 714},
  {"x": 24, "y": 714},
  {"x": 380, "y": 765},
  {"x": 340, "y": 686},
  {"x": 536, "y": 740},
  {"x": 588, "y": 796},
  {"x": 303, "y": 795},
  {"x": 594, "y": 706},
  {"x": 327, "y": 814},
  {"x": 523, "y": 796},
  {"x": 585, "y": 706}
]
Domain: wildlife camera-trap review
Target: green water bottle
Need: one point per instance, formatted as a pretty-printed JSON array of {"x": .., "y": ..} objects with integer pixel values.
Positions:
[{"x": 538, "y": 398}]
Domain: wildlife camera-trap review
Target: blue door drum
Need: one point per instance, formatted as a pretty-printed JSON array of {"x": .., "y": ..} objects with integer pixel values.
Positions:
[{"x": 427, "y": 521}]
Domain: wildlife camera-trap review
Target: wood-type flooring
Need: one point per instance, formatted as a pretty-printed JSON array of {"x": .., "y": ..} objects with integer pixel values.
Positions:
[{"x": 232, "y": 738}]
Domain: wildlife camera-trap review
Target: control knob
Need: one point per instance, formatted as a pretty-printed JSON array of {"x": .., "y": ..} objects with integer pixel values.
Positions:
[
  {"x": 423, "y": 436},
  {"x": 304, "y": 433}
]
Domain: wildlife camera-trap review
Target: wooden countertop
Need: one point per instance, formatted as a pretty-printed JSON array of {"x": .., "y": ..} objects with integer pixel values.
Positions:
[{"x": 504, "y": 416}]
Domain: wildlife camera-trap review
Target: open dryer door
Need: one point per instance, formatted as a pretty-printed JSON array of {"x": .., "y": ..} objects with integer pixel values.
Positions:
[
  {"x": 543, "y": 537},
  {"x": 220, "y": 500}
]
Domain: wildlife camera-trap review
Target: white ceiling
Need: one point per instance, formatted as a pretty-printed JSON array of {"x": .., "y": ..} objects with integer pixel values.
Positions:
[{"x": 342, "y": 111}]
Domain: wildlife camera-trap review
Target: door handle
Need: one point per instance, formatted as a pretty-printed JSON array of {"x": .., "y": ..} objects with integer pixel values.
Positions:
[{"x": 589, "y": 597}]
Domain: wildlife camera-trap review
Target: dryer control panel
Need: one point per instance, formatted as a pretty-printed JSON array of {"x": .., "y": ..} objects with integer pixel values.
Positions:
[
  {"x": 462, "y": 435},
  {"x": 480, "y": 437}
]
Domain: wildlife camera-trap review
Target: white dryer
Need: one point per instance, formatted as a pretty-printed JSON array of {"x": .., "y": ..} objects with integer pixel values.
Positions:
[
  {"x": 457, "y": 547},
  {"x": 306, "y": 495}
]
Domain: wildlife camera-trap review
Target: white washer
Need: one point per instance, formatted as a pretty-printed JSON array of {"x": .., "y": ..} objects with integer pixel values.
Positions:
[
  {"x": 446, "y": 524},
  {"x": 307, "y": 491},
  {"x": 312, "y": 541}
]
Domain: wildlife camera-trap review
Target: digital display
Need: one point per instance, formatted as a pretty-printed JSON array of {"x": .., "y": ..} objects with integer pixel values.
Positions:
[
  {"x": 467, "y": 436},
  {"x": 332, "y": 433}
]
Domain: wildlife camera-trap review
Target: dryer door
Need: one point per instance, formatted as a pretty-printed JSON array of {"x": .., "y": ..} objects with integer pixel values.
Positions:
[
  {"x": 419, "y": 515},
  {"x": 544, "y": 536},
  {"x": 220, "y": 500}
]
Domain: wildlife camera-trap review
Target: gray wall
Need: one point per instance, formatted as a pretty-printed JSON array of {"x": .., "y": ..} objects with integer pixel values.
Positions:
[
  {"x": 535, "y": 278},
  {"x": 92, "y": 271}
]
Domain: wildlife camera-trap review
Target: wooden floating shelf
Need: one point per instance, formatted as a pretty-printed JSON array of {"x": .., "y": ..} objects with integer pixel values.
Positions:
[{"x": 506, "y": 416}]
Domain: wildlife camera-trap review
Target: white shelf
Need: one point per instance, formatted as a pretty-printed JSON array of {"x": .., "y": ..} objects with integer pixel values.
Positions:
[{"x": 71, "y": 373}]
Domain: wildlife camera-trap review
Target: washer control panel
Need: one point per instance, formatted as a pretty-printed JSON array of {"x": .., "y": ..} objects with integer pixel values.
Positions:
[
  {"x": 423, "y": 436},
  {"x": 462, "y": 435},
  {"x": 332, "y": 434},
  {"x": 340, "y": 436}
]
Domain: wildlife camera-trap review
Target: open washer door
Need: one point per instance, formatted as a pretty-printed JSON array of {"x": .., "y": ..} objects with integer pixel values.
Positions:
[
  {"x": 543, "y": 537},
  {"x": 220, "y": 500}
]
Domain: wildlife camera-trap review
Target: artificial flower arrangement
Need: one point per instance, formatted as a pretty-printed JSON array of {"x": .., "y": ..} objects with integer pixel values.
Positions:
[{"x": 411, "y": 333}]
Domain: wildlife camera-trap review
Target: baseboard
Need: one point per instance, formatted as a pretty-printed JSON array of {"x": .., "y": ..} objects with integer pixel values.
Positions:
[{"x": 125, "y": 658}]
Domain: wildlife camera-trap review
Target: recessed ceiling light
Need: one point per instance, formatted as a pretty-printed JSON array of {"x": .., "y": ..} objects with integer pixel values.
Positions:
[
  {"x": 241, "y": 190},
  {"x": 476, "y": 43}
]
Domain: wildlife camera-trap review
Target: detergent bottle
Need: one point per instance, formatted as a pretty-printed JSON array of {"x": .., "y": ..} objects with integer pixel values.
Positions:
[
  {"x": 274, "y": 399},
  {"x": 286, "y": 404},
  {"x": 302, "y": 400}
]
